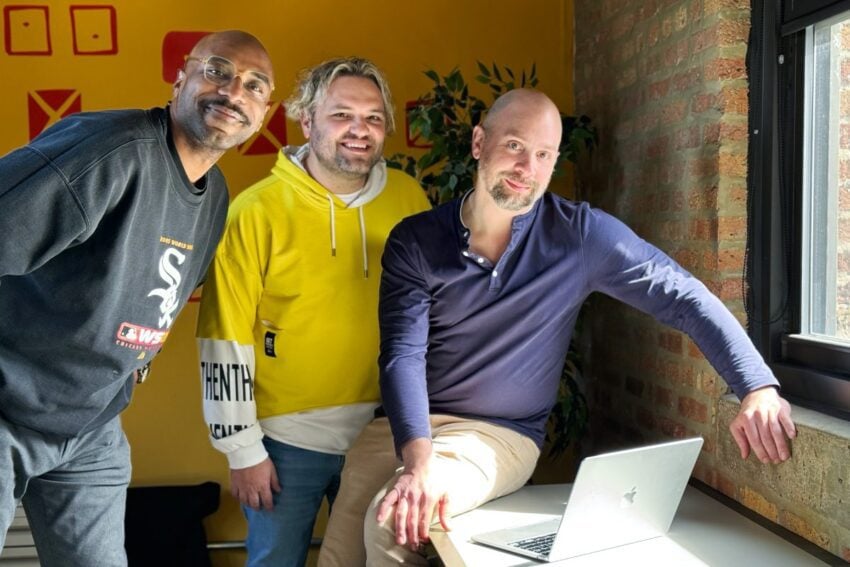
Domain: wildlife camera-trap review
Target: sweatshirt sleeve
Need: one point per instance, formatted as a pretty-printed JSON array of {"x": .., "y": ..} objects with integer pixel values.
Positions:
[
  {"x": 403, "y": 315},
  {"x": 639, "y": 274},
  {"x": 225, "y": 340},
  {"x": 40, "y": 215}
]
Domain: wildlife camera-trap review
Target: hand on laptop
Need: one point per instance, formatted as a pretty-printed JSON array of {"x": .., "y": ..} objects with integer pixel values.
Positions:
[
  {"x": 762, "y": 425},
  {"x": 414, "y": 497}
]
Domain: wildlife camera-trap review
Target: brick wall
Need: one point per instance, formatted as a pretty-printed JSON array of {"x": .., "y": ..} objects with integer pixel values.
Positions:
[{"x": 665, "y": 82}]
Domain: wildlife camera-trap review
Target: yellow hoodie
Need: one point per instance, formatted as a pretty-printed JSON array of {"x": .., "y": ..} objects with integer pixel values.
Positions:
[{"x": 288, "y": 319}]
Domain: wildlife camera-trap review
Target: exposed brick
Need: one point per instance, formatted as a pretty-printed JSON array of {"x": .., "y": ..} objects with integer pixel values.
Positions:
[
  {"x": 704, "y": 39},
  {"x": 715, "y": 6},
  {"x": 687, "y": 138},
  {"x": 725, "y": 69},
  {"x": 646, "y": 9},
  {"x": 734, "y": 100},
  {"x": 845, "y": 554},
  {"x": 692, "y": 409},
  {"x": 711, "y": 133},
  {"x": 687, "y": 80},
  {"x": 693, "y": 350},
  {"x": 733, "y": 164},
  {"x": 705, "y": 167},
  {"x": 732, "y": 228},
  {"x": 672, "y": 428},
  {"x": 670, "y": 341},
  {"x": 803, "y": 528},
  {"x": 681, "y": 18},
  {"x": 686, "y": 258},
  {"x": 627, "y": 78},
  {"x": 730, "y": 260},
  {"x": 702, "y": 229},
  {"x": 735, "y": 198},
  {"x": 621, "y": 25},
  {"x": 672, "y": 173},
  {"x": 844, "y": 230},
  {"x": 657, "y": 147},
  {"x": 733, "y": 132},
  {"x": 674, "y": 112},
  {"x": 703, "y": 198},
  {"x": 666, "y": 27},
  {"x": 676, "y": 53},
  {"x": 708, "y": 380},
  {"x": 758, "y": 503},
  {"x": 732, "y": 32},
  {"x": 658, "y": 89},
  {"x": 664, "y": 397},
  {"x": 703, "y": 102},
  {"x": 731, "y": 288},
  {"x": 653, "y": 35}
]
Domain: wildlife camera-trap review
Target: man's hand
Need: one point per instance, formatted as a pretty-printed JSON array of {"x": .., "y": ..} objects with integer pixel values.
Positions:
[
  {"x": 762, "y": 425},
  {"x": 253, "y": 486},
  {"x": 415, "y": 496}
]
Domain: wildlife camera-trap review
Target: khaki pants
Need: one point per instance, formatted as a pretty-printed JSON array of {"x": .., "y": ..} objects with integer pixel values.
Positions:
[{"x": 476, "y": 461}]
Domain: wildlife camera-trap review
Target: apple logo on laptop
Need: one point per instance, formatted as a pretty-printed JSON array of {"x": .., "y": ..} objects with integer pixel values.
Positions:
[{"x": 628, "y": 498}]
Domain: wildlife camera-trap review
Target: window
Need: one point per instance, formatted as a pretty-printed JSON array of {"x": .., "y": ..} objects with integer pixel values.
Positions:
[{"x": 798, "y": 266}]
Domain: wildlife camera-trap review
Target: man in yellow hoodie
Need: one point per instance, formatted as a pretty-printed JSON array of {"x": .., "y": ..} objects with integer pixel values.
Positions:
[{"x": 288, "y": 329}]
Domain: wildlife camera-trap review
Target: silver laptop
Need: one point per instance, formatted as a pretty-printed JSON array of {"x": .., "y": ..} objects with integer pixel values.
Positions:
[{"x": 617, "y": 498}]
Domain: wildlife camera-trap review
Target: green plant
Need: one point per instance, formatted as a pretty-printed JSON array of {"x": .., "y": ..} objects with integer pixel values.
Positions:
[{"x": 442, "y": 121}]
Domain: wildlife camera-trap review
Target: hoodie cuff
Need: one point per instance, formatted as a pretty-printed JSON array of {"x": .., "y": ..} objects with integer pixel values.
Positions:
[{"x": 243, "y": 449}]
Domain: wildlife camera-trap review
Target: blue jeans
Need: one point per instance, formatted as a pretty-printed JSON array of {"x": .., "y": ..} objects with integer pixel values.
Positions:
[
  {"x": 281, "y": 537},
  {"x": 73, "y": 490}
]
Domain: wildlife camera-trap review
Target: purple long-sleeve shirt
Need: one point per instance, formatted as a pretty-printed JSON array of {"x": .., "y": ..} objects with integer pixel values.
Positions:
[{"x": 464, "y": 337}]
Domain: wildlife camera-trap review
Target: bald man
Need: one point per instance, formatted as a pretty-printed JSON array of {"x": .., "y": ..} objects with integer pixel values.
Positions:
[
  {"x": 478, "y": 302},
  {"x": 109, "y": 221}
]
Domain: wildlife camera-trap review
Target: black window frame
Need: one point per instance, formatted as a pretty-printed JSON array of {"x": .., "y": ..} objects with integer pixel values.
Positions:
[{"x": 811, "y": 373}]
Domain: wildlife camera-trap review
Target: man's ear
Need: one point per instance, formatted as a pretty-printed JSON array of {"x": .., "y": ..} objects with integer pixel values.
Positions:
[
  {"x": 306, "y": 125},
  {"x": 178, "y": 83},
  {"x": 477, "y": 141}
]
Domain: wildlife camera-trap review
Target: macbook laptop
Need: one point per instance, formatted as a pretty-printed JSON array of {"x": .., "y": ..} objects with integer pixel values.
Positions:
[{"x": 617, "y": 498}]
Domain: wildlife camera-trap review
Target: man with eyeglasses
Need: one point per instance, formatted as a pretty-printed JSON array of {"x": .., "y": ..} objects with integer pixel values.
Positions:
[
  {"x": 109, "y": 221},
  {"x": 288, "y": 326}
]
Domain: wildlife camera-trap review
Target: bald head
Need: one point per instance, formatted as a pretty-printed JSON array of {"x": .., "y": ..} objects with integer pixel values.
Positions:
[
  {"x": 522, "y": 103},
  {"x": 235, "y": 41}
]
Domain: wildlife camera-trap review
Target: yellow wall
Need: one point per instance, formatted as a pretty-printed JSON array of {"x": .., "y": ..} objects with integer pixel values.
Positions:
[{"x": 404, "y": 38}]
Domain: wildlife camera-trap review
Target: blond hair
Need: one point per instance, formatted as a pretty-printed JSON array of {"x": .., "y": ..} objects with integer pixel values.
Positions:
[{"x": 314, "y": 83}]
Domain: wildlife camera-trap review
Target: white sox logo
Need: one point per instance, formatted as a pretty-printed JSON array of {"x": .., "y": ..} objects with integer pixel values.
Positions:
[{"x": 168, "y": 272}]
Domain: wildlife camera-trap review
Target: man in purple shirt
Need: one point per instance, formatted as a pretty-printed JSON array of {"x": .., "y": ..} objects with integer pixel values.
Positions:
[{"x": 478, "y": 301}]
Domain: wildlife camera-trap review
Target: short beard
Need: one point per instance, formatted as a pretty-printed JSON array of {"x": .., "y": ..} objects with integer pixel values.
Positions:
[
  {"x": 505, "y": 200},
  {"x": 335, "y": 162}
]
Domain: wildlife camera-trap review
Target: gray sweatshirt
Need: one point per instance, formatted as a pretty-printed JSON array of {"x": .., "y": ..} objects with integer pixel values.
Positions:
[{"x": 102, "y": 241}]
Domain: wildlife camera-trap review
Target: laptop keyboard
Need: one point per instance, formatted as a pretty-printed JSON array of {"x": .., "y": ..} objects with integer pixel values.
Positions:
[{"x": 539, "y": 544}]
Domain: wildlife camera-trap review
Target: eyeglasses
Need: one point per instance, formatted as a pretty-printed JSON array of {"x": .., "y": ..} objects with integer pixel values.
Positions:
[{"x": 221, "y": 72}]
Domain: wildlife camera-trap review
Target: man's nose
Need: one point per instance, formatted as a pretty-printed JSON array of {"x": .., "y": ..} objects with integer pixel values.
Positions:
[{"x": 233, "y": 89}]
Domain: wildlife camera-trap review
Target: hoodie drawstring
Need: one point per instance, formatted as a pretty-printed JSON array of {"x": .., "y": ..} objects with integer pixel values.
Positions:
[
  {"x": 363, "y": 249},
  {"x": 363, "y": 244},
  {"x": 333, "y": 225}
]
